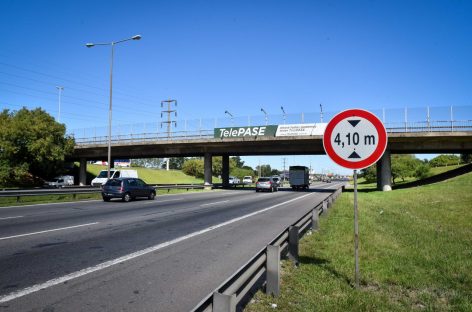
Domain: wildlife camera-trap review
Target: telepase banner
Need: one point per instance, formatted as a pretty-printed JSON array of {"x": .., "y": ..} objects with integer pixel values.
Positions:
[
  {"x": 240, "y": 132},
  {"x": 301, "y": 129},
  {"x": 271, "y": 130}
]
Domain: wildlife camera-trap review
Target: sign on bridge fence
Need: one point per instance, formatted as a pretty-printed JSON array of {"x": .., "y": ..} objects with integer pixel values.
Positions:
[
  {"x": 355, "y": 139},
  {"x": 270, "y": 130}
]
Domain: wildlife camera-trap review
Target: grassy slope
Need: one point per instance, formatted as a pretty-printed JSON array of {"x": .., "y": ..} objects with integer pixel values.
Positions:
[
  {"x": 154, "y": 176},
  {"x": 438, "y": 170},
  {"x": 415, "y": 254},
  {"x": 363, "y": 185}
]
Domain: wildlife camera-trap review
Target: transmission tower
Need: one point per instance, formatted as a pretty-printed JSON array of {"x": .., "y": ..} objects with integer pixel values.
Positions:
[{"x": 166, "y": 107}]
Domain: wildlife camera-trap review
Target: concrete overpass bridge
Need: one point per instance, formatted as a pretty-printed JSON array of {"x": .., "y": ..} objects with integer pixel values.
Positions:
[{"x": 451, "y": 138}]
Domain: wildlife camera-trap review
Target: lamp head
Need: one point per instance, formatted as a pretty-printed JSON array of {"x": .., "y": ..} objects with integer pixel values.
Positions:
[
  {"x": 137, "y": 37},
  {"x": 89, "y": 45}
]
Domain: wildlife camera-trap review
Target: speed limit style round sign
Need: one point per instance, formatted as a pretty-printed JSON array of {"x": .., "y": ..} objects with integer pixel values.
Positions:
[{"x": 355, "y": 139}]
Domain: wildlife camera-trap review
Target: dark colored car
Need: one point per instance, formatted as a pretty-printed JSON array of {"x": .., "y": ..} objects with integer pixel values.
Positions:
[
  {"x": 266, "y": 183},
  {"x": 127, "y": 189}
]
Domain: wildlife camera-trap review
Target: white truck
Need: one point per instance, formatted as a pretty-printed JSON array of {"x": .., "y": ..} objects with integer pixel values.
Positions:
[
  {"x": 61, "y": 181},
  {"x": 114, "y": 173}
]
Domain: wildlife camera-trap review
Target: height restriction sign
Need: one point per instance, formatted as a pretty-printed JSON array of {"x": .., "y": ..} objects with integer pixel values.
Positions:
[{"x": 355, "y": 139}]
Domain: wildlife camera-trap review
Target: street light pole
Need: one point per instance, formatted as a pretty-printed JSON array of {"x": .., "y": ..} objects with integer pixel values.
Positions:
[
  {"x": 112, "y": 44},
  {"x": 265, "y": 113},
  {"x": 231, "y": 116},
  {"x": 110, "y": 111},
  {"x": 60, "y": 94},
  {"x": 321, "y": 113},
  {"x": 283, "y": 111}
]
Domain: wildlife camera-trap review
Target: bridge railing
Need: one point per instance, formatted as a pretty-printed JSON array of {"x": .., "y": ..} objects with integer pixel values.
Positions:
[
  {"x": 396, "y": 118},
  {"x": 431, "y": 126},
  {"x": 393, "y": 127}
]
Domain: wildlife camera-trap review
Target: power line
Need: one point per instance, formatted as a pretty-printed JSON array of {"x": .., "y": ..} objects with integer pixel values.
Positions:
[
  {"x": 72, "y": 88},
  {"x": 74, "y": 98},
  {"x": 65, "y": 79},
  {"x": 60, "y": 67},
  {"x": 86, "y": 117}
]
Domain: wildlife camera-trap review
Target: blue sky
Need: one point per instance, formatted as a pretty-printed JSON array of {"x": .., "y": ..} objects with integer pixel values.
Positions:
[{"x": 239, "y": 56}]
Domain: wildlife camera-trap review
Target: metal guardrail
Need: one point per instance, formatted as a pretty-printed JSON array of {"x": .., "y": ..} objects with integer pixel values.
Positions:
[
  {"x": 74, "y": 191},
  {"x": 264, "y": 268}
]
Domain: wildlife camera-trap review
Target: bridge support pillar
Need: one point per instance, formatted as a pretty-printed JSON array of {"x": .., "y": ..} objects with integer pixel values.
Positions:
[
  {"x": 225, "y": 171},
  {"x": 207, "y": 171},
  {"x": 384, "y": 172},
  {"x": 83, "y": 172}
]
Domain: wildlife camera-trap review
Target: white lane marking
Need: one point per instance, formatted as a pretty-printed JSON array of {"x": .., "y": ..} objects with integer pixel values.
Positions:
[
  {"x": 215, "y": 203},
  {"x": 47, "y": 231},
  {"x": 107, "y": 264},
  {"x": 169, "y": 200},
  {"x": 7, "y": 218},
  {"x": 47, "y": 204}
]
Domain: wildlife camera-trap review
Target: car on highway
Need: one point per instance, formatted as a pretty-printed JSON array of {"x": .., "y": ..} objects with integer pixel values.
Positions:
[
  {"x": 277, "y": 180},
  {"x": 61, "y": 181},
  {"x": 247, "y": 180},
  {"x": 234, "y": 180},
  {"x": 266, "y": 184},
  {"x": 127, "y": 189}
]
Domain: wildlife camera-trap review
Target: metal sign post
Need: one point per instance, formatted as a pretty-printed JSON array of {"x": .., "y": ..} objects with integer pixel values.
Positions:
[
  {"x": 356, "y": 232},
  {"x": 355, "y": 139}
]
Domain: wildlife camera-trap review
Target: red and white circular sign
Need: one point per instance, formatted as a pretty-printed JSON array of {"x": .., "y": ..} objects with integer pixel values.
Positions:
[{"x": 355, "y": 139}]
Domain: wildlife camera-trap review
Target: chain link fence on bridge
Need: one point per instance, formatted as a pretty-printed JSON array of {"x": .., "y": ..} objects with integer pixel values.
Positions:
[{"x": 423, "y": 119}]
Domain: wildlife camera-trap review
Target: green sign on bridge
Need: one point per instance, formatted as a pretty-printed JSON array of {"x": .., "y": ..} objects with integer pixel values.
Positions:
[
  {"x": 271, "y": 130},
  {"x": 240, "y": 132}
]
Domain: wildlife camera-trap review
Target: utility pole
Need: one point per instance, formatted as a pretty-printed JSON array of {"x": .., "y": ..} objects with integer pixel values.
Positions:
[
  {"x": 169, "y": 122},
  {"x": 284, "y": 160},
  {"x": 321, "y": 113},
  {"x": 260, "y": 167},
  {"x": 60, "y": 94}
]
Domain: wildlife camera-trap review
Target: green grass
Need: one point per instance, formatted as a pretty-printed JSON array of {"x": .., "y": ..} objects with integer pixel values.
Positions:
[
  {"x": 415, "y": 254},
  {"x": 438, "y": 170},
  {"x": 363, "y": 185},
  {"x": 154, "y": 176}
]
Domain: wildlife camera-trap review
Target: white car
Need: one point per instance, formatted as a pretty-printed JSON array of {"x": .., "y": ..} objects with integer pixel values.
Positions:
[
  {"x": 247, "y": 180},
  {"x": 233, "y": 180}
]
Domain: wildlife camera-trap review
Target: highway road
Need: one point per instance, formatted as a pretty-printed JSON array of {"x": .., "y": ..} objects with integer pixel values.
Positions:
[{"x": 161, "y": 255}]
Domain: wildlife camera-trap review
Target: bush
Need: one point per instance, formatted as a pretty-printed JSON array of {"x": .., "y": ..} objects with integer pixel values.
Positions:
[
  {"x": 422, "y": 171},
  {"x": 445, "y": 160},
  {"x": 193, "y": 167}
]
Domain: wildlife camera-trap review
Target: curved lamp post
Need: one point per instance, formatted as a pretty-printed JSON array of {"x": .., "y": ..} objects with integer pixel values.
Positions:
[
  {"x": 265, "y": 113},
  {"x": 230, "y": 116},
  {"x": 112, "y": 44},
  {"x": 283, "y": 112}
]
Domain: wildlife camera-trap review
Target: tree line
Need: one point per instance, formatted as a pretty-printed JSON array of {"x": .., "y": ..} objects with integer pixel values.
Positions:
[
  {"x": 194, "y": 166},
  {"x": 33, "y": 147}
]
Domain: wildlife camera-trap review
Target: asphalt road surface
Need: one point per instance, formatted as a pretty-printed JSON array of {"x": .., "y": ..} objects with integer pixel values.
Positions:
[{"x": 160, "y": 255}]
